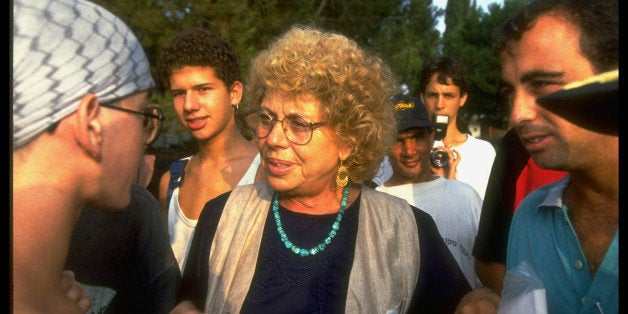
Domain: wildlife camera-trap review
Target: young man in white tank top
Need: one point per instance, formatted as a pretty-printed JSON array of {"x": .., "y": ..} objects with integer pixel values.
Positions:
[{"x": 202, "y": 72}]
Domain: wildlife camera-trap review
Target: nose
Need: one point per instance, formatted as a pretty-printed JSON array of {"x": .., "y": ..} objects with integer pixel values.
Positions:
[
  {"x": 277, "y": 135},
  {"x": 409, "y": 146},
  {"x": 522, "y": 108},
  {"x": 190, "y": 101},
  {"x": 439, "y": 104}
]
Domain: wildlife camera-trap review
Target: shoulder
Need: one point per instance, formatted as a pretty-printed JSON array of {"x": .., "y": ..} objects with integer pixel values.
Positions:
[
  {"x": 479, "y": 143},
  {"x": 144, "y": 212},
  {"x": 540, "y": 202},
  {"x": 142, "y": 200},
  {"x": 142, "y": 194},
  {"x": 461, "y": 188},
  {"x": 372, "y": 195},
  {"x": 423, "y": 219},
  {"x": 429, "y": 235},
  {"x": 258, "y": 191},
  {"x": 384, "y": 206},
  {"x": 213, "y": 208}
]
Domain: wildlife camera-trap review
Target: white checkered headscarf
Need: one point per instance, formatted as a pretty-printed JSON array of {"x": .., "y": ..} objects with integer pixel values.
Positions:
[{"x": 64, "y": 49}]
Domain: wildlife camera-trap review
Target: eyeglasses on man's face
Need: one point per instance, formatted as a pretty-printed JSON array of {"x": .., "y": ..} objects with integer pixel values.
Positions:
[
  {"x": 296, "y": 128},
  {"x": 153, "y": 119}
]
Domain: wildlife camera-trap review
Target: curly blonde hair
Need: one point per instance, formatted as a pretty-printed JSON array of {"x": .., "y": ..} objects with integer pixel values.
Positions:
[{"x": 354, "y": 87}]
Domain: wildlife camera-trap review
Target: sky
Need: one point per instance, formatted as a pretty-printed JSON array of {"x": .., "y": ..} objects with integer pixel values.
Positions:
[{"x": 480, "y": 3}]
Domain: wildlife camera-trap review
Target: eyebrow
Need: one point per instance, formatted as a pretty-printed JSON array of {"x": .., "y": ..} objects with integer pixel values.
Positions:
[
  {"x": 540, "y": 74},
  {"x": 201, "y": 85},
  {"x": 194, "y": 87}
]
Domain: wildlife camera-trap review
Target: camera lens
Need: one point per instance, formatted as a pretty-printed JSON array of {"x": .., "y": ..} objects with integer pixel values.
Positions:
[{"x": 439, "y": 158}]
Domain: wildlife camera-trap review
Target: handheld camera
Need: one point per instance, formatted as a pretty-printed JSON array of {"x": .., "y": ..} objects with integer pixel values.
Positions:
[{"x": 439, "y": 157}]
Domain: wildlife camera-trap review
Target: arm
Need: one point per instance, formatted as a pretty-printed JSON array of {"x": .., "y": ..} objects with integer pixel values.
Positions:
[
  {"x": 491, "y": 274},
  {"x": 163, "y": 193},
  {"x": 39, "y": 249},
  {"x": 194, "y": 288},
  {"x": 441, "y": 283},
  {"x": 156, "y": 276},
  {"x": 491, "y": 241}
]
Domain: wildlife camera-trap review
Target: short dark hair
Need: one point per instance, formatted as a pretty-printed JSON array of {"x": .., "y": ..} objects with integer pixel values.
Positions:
[
  {"x": 446, "y": 67},
  {"x": 200, "y": 47},
  {"x": 598, "y": 22}
]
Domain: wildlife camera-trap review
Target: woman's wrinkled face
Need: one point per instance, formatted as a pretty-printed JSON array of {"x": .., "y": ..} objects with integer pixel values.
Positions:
[{"x": 292, "y": 168}]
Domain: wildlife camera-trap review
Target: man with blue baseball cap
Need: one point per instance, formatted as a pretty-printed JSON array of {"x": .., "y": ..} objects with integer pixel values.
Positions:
[{"x": 454, "y": 205}]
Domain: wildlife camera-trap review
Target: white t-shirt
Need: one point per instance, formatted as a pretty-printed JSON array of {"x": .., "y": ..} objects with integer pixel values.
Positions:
[
  {"x": 455, "y": 207},
  {"x": 474, "y": 168},
  {"x": 181, "y": 228}
]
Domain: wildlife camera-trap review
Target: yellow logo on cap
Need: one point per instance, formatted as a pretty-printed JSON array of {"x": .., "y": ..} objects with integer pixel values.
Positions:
[{"x": 404, "y": 105}]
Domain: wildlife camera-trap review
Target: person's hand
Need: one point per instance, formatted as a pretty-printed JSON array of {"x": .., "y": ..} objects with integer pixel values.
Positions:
[
  {"x": 481, "y": 300},
  {"x": 185, "y": 307},
  {"x": 74, "y": 290}
]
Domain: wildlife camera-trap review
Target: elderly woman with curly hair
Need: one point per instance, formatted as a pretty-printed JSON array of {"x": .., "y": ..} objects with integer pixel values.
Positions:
[{"x": 313, "y": 238}]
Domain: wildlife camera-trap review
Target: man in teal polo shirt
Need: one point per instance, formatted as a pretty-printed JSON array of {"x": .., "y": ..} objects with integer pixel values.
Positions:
[{"x": 559, "y": 72}]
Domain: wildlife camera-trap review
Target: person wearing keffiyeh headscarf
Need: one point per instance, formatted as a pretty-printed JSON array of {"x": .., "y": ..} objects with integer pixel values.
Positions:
[{"x": 81, "y": 84}]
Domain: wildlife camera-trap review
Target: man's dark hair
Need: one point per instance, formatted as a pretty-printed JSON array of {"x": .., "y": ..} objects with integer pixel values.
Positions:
[
  {"x": 598, "y": 22},
  {"x": 199, "y": 47},
  {"x": 446, "y": 67}
]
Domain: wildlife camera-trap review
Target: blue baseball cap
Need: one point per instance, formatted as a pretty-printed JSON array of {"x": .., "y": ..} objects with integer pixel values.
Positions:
[{"x": 410, "y": 113}]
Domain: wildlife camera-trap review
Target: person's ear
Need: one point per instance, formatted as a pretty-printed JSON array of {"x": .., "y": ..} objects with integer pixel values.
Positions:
[
  {"x": 344, "y": 151},
  {"x": 463, "y": 99},
  {"x": 89, "y": 128},
  {"x": 235, "y": 93}
]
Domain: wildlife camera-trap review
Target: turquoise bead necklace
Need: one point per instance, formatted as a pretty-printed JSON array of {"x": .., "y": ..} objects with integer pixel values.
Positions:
[{"x": 321, "y": 246}]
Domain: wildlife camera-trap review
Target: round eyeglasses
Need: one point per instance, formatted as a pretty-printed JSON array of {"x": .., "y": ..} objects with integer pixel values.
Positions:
[
  {"x": 296, "y": 128},
  {"x": 153, "y": 120}
]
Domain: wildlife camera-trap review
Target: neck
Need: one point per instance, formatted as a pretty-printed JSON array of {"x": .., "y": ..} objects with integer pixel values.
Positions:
[
  {"x": 323, "y": 203},
  {"x": 454, "y": 136},
  {"x": 225, "y": 147},
  {"x": 424, "y": 176},
  {"x": 598, "y": 191}
]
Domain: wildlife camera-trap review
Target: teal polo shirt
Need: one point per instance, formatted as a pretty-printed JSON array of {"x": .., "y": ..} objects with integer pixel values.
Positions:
[{"x": 542, "y": 234}]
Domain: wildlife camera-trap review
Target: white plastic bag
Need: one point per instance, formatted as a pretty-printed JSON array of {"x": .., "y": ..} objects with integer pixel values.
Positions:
[{"x": 523, "y": 292}]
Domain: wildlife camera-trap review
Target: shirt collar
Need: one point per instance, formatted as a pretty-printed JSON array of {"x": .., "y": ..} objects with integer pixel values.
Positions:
[{"x": 554, "y": 197}]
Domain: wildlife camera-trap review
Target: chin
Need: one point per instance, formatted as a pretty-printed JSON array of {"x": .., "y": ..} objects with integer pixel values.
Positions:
[{"x": 280, "y": 184}]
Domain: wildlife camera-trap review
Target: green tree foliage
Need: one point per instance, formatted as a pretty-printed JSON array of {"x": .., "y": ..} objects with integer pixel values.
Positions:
[
  {"x": 406, "y": 38},
  {"x": 384, "y": 27},
  {"x": 472, "y": 40},
  {"x": 402, "y": 32},
  {"x": 456, "y": 12}
]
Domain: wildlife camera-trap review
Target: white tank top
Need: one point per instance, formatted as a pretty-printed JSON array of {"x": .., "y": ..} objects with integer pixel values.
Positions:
[{"x": 181, "y": 228}]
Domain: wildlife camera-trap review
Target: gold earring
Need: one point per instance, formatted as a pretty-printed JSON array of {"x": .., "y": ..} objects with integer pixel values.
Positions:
[
  {"x": 342, "y": 177},
  {"x": 235, "y": 107}
]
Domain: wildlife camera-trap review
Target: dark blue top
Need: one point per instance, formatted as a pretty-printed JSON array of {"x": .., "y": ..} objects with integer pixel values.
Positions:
[
  {"x": 128, "y": 252},
  {"x": 286, "y": 283}
]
